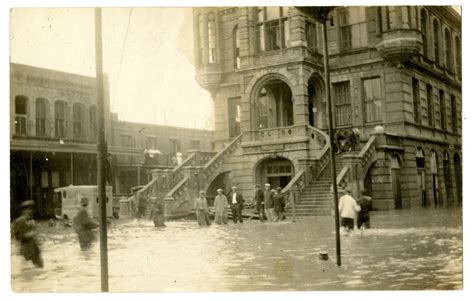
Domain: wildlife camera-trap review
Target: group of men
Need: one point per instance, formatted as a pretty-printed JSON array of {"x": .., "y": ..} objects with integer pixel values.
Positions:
[{"x": 270, "y": 203}]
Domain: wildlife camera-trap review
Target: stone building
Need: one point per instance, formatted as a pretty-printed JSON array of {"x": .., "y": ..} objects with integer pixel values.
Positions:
[
  {"x": 53, "y": 140},
  {"x": 396, "y": 69}
]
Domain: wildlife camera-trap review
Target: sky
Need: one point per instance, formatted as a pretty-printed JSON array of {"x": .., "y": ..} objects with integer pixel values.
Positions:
[{"x": 149, "y": 67}]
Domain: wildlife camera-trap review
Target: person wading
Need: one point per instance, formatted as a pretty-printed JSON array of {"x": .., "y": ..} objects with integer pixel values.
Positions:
[{"x": 84, "y": 225}]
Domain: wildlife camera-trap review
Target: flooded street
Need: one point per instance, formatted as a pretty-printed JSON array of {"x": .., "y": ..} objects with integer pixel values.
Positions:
[{"x": 406, "y": 250}]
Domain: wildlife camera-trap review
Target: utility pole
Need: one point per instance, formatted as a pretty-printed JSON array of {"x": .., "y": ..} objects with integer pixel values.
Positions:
[
  {"x": 101, "y": 153},
  {"x": 320, "y": 14}
]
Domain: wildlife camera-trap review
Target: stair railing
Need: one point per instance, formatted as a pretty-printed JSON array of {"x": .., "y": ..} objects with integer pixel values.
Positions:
[
  {"x": 292, "y": 190},
  {"x": 323, "y": 157},
  {"x": 218, "y": 159}
]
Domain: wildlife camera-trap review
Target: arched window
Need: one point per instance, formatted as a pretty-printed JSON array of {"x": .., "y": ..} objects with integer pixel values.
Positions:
[
  {"x": 60, "y": 119},
  {"x": 436, "y": 40},
  {"x": 274, "y": 104},
  {"x": 236, "y": 37},
  {"x": 424, "y": 19},
  {"x": 201, "y": 31},
  {"x": 458, "y": 56},
  {"x": 41, "y": 116},
  {"x": 93, "y": 121},
  {"x": 448, "y": 50},
  {"x": 211, "y": 31},
  {"x": 78, "y": 119},
  {"x": 21, "y": 115},
  {"x": 262, "y": 109}
]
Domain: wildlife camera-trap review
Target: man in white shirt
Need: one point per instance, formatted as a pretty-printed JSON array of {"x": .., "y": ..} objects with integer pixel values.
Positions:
[
  {"x": 347, "y": 210},
  {"x": 236, "y": 204}
]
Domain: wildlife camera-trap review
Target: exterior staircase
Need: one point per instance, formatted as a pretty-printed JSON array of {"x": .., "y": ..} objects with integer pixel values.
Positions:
[{"x": 317, "y": 197}]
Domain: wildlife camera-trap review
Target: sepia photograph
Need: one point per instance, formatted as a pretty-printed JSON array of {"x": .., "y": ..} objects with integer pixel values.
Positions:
[{"x": 166, "y": 149}]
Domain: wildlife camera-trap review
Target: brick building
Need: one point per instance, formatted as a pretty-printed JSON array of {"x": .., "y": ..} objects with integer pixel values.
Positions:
[
  {"x": 396, "y": 69},
  {"x": 53, "y": 139}
]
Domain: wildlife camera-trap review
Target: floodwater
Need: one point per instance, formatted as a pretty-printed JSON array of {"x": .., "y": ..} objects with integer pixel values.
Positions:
[{"x": 413, "y": 249}]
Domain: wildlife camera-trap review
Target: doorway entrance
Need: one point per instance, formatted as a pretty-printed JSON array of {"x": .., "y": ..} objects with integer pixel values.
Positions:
[{"x": 278, "y": 172}]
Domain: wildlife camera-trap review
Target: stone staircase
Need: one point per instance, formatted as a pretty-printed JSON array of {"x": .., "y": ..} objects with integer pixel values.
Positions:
[
  {"x": 317, "y": 198},
  {"x": 160, "y": 195}
]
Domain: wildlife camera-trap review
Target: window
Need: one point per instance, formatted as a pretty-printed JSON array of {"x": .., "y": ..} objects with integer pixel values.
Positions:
[
  {"x": 273, "y": 28},
  {"x": 342, "y": 103},
  {"x": 194, "y": 144},
  {"x": 311, "y": 36},
  {"x": 128, "y": 141},
  {"x": 442, "y": 112},
  {"x": 429, "y": 98},
  {"x": 175, "y": 145},
  {"x": 78, "y": 117},
  {"x": 20, "y": 115},
  {"x": 416, "y": 100},
  {"x": 262, "y": 109},
  {"x": 60, "y": 119},
  {"x": 448, "y": 50},
  {"x": 40, "y": 117},
  {"x": 93, "y": 121},
  {"x": 420, "y": 158},
  {"x": 423, "y": 32},
  {"x": 454, "y": 114},
  {"x": 391, "y": 17},
  {"x": 236, "y": 37},
  {"x": 211, "y": 31},
  {"x": 150, "y": 142},
  {"x": 372, "y": 97},
  {"x": 353, "y": 28},
  {"x": 458, "y": 57},
  {"x": 436, "y": 40},
  {"x": 201, "y": 31},
  {"x": 234, "y": 116}
]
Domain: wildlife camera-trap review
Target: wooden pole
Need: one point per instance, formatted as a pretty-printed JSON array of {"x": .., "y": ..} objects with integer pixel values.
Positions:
[{"x": 101, "y": 153}]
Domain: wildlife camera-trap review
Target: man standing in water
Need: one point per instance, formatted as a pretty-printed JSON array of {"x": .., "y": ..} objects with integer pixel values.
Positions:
[
  {"x": 25, "y": 232},
  {"x": 268, "y": 201},
  {"x": 202, "y": 211},
  {"x": 83, "y": 225},
  {"x": 220, "y": 206},
  {"x": 347, "y": 210}
]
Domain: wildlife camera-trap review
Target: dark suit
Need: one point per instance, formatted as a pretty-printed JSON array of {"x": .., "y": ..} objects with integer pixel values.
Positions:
[{"x": 236, "y": 207}]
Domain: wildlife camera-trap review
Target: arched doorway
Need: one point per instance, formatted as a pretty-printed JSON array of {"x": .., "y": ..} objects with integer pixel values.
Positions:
[
  {"x": 434, "y": 177},
  {"x": 223, "y": 181},
  {"x": 273, "y": 105},
  {"x": 458, "y": 176},
  {"x": 316, "y": 104},
  {"x": 395, "y": 165},
  {"x": 276, "y": 171},
  {"x": 420, "y": 167}
]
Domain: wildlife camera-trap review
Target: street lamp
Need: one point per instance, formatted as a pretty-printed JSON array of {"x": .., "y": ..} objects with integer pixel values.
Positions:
[{"x": 320, "y": 14}]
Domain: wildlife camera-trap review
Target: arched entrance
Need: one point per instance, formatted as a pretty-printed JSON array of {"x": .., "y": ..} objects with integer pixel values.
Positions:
[
  {"x": 223, "y": 181},
  {"x": 458, "y": 176},
  {"x": 273, "y": 105},
  {"x": 420, "y": 167},
  {"x": 434, "y": 177},
  {"x": 316, "y": 104},
  {"x": 276, "y": 171},
  {"x": 395, "y": 165}
]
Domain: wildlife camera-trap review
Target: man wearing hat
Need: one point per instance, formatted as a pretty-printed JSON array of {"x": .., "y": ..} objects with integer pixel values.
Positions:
[
  {"x": 268, "y": 202},
  {"x": 348, "y": 209},
  {"x": 24, "y": 231},
  {"x": 220, "y": 207},
  {"x": 258, "y": 201},
  {"x": 202, "y": 213},
  {"x": 236, "y": 204},
  {"x": 83, "y": 225},
  {"x": 278, "y": 204}
]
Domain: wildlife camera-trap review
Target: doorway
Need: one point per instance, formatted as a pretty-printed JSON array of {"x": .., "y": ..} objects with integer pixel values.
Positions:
[{"x": 278, "y": 172}]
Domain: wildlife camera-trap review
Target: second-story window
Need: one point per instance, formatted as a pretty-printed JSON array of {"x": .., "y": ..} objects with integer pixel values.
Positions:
[
  {"x": 150, "y": 142},
  {"x": 211, "y": 31},
  {"x": 93, "y": 121},
  {"x": 236, "y": 38},
  {"x": 416, "y": 100},
  {"x": 127, "y": 140},
  {"x": 342, "y": 103},
  {"x": 40, "y": 117},
  {"x": 448, "y": 50},
  {"x": 436, "y": 40},
  {"x": 262, "y": 109},
  {"x": 352, "y": 28},
  {"x": 424, "y": 32},
  {"x": 195, "y": 144},
  {"x": 457, "y": 44},
  {"x": 78, "y": 119},
  {"x": 21, "y": 115},
  {"x": 442, "y": 109},
  {"x": 60, "y": 119},
  {"x": 273, "y": 28},
  {"x": 311, "y": 35},
  {"x": 372, "y": 98}
]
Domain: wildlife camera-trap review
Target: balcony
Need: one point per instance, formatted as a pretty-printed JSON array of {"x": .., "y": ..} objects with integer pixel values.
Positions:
[
  {"x": 209, "y": 77},
  {"x": 400, "y": 45}
]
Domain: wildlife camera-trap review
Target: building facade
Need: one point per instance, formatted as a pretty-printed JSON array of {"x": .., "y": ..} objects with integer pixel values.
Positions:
[
  {"x": 53, "y": 139},
  {"x": 395, "y": 75}
]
